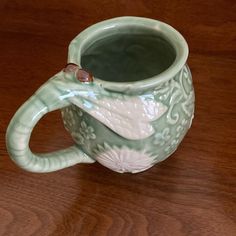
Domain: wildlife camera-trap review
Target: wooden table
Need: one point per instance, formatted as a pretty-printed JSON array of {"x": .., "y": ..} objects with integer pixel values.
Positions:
[{"x": 191, "y": 193}]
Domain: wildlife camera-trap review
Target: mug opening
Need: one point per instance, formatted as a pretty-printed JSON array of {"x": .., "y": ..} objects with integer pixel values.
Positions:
[{"x": 129, "y": 53}]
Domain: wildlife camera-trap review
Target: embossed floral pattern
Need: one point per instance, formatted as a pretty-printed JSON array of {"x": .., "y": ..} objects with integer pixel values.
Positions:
[
  {"x": 162, "y": 138},
  {"x": 84, "y": 133},
  {"x": 123, "y": 159},
  {"x": 181, "y": 128},
  {"x": 172, "y": 147},
  {"x": 69, "y": 118},
  {"x": 180, "y": 132},
  {"x": 177, "y": 91},
  {"x": 76, "y": 110},
  {"x": 79, "y": 112}
]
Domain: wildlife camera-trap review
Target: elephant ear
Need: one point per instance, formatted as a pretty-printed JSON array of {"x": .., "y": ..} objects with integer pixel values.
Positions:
[{"x": 130, "y": 118}]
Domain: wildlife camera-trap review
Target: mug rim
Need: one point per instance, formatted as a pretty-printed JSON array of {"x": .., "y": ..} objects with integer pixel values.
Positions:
[{"x": 172, "y": 35}]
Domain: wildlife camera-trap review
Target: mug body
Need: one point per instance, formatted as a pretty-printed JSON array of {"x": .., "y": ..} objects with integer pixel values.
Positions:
[{"x": 141, "y": 65}]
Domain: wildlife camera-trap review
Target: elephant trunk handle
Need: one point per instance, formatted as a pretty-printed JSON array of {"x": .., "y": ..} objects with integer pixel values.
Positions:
[{"x": 46, "y": 99}]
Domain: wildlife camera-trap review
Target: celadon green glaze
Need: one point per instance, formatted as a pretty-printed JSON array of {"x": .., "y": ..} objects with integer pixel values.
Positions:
[{"x": 133, "y": 115}]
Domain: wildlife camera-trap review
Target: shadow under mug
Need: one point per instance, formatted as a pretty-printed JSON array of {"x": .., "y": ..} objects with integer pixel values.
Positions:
[{"x": 130, "y": 114}]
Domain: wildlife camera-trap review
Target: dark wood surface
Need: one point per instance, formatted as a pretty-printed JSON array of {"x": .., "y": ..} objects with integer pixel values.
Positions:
[{"x": 191, "y": 193}]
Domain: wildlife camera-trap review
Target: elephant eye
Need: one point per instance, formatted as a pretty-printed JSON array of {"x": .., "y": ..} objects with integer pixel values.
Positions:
[{"x": 84, "y": 76}]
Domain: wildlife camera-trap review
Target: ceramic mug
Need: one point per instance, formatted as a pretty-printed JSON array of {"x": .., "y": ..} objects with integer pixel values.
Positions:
[{"x": 132, "y": 113}]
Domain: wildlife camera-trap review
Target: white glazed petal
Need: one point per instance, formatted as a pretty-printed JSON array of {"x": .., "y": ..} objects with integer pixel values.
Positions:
[{"x": 125, "y": 160}]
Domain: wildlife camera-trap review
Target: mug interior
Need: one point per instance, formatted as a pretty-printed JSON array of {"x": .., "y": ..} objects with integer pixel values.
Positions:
[{"x": 130, "y": 53}]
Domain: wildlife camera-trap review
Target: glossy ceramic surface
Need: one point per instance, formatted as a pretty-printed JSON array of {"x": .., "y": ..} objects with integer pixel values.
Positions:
[{"x": 127, "y": 125}]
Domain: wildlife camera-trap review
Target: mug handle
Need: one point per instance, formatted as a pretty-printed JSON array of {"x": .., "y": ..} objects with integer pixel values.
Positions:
[{"x": 46, "y": 99}]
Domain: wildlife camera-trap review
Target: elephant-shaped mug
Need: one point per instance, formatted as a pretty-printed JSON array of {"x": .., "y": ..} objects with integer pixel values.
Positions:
[{"x": 129, "y": 113}]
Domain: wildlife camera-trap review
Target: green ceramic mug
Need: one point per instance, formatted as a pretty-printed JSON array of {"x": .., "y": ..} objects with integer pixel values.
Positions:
[{"x": 132, "y": 113}]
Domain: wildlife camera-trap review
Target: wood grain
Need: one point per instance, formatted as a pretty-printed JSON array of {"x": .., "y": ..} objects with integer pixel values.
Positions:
[{"x": 191, "y": 193}]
